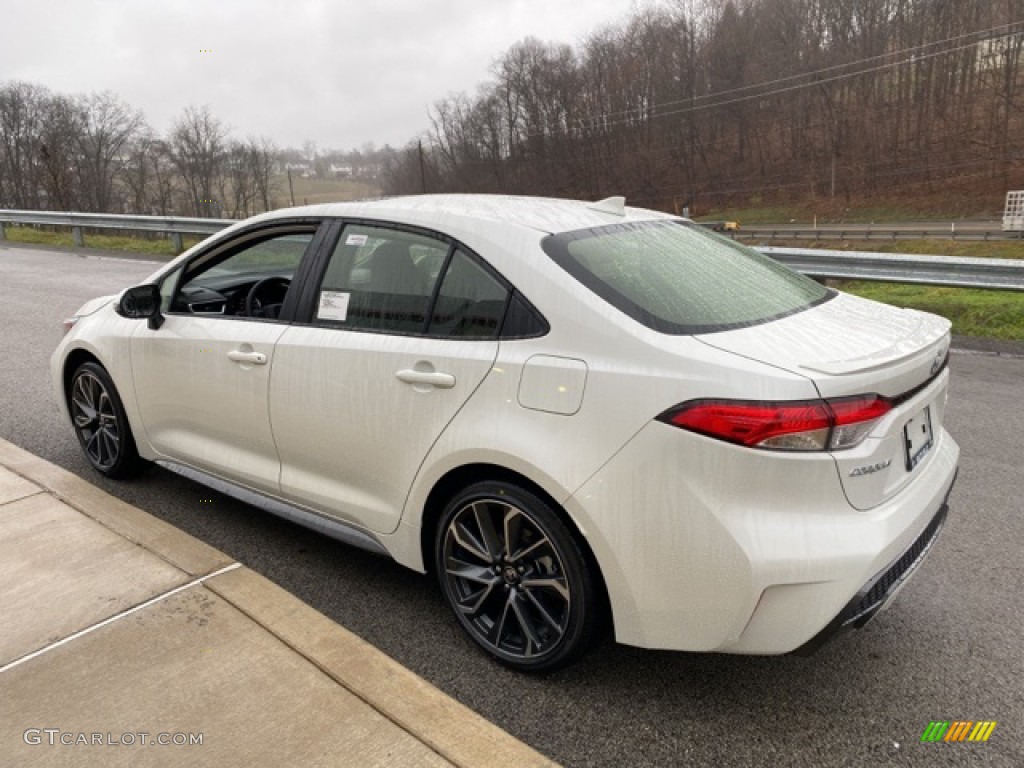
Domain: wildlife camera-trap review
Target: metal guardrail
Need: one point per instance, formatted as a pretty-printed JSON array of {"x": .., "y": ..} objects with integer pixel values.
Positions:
[
  {"x": 873, "y": 232},
  {"x": 176, "y": 226},
  {"x": 1004, "y": 274}
]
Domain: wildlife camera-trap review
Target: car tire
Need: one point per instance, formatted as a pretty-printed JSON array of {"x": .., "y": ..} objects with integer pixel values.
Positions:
[
  {"x": 101, "y": 423},
  {"x": 516, "y": 577}
]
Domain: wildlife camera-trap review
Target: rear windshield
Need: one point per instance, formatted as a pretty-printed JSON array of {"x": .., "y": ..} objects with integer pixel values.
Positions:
[{"x": 678, "y": 278}]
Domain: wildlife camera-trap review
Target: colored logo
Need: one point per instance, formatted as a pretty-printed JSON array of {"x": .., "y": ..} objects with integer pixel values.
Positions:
[{"x": 958, "y": 730}]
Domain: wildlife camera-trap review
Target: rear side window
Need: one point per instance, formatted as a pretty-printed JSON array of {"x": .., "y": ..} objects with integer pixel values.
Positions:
[
  {"x": 399, "y": 281},
  {"x": 677, "y": 278},
  {"x": 471, "y": 302},
  {"x": 381, "y": 279}
]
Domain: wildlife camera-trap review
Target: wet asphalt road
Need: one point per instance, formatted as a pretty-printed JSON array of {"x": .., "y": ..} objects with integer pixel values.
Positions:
[{"x": 950, "y": 648}]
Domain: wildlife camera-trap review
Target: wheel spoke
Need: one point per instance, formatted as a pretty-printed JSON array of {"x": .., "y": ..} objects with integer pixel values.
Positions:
[
  {"x": 513, "y": 526},
  {"x": 83, "y": 420},
  {"x": 469, "y": 542},
  {"x": 472, "y": 603},
  {"x": 83, "y": 399},
  {"x": 498, "y": 630},
  {"x": 111, "y": 442},
  {"x": 529, "y": 630},
  {"x": 542, "y": 611},
  {"x": 556, "y": 583},
  {"x": 84, "y": 408},
  {"x": 94, "y": 447},
  {"x": 488, "y": 534},
  {"x": 470, "y": 572},
  {"x": 522, "y": 553}
]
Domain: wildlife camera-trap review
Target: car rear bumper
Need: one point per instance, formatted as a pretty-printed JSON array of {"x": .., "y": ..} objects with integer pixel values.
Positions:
[
  {"x": 878, "y": 592},
  {"x": 706, "y": 549}
]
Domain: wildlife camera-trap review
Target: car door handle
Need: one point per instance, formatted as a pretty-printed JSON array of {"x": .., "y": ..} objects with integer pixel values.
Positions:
[
  {"x": 433, "y": 378},
  {"x": 253, "y": 358}
]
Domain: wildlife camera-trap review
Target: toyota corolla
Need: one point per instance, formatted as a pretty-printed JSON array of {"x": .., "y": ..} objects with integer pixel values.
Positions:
[{"x": 571, "y": 413}]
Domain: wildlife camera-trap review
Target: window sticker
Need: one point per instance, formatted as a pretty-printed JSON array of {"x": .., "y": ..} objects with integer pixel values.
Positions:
[
  {"x": 333, "y": 306},
  {"x": 356, "y": 240}
]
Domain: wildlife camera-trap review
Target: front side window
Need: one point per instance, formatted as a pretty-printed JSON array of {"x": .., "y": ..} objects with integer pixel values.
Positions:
[
  {"x": 245, "y": 278},
  {"x": 677, "y": 278}
]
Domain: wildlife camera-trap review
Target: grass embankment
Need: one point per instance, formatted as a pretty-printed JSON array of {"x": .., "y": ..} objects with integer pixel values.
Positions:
[
  {"x": 948, "y": 206},
  {"x": 162, "y": 246},
  {"x": 995, "y": 314}
]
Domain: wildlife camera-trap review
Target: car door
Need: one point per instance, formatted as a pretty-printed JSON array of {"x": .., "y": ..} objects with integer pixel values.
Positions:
[
  {"x": 402, "y": 329},
  {"x": 202, "y": 377}
]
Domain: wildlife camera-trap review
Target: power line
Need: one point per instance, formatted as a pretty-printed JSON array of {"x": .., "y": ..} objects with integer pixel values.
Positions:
[
  {"x": 601, "y": 120},
  {"x": 888, "y": 54},
  {"x": 789, "y": 89}
]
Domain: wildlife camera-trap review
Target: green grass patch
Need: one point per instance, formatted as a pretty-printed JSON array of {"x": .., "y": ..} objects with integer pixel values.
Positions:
[
  {"x": 798, "y": 214},
  {"x": 162, "y": 246},
  {"x": 995, "y": 314},
  {"x": 949, "y": 205}
]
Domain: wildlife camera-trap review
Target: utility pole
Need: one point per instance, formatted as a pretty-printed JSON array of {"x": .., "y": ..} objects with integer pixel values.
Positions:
[
  {"x": 291, "y": 192},
  {"x": 423, "y": 175}
]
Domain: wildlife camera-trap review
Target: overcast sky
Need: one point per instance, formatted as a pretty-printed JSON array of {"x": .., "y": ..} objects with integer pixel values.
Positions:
[{"x": 338, "y": 73}]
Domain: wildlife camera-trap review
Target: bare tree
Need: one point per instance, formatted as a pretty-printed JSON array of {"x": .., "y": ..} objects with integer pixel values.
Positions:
[
  {"x": 59, "y": 129},
  {"x": 197, "y": 149},
  {"x": 260, "y": 153},
  {"x": 107, "y": 126},
  {"x": 21, "y": 116}
]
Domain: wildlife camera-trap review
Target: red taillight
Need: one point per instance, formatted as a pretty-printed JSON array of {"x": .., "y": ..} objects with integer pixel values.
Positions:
[{"x": 806, "y": 425}]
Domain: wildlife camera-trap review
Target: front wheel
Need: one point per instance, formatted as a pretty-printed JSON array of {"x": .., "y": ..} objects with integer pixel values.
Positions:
[
  {"x": 515, "y": 577},
  {"x": 101, "y": 423}
]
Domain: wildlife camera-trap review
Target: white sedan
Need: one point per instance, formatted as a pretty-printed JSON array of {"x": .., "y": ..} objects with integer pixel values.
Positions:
[{"x": 569, "y": 412}]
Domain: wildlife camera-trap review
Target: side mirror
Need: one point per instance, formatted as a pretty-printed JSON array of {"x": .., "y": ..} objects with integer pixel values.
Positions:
[{"x": 142, "y": 301}]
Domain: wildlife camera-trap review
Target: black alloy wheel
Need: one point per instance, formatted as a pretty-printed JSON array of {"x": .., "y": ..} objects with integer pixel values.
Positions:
[
  {"x": 515, "y": 577},
  {"x": 101, "y": 424}
]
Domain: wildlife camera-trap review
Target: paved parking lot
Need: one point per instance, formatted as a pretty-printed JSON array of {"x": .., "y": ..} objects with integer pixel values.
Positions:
[{"x": 949, "y": 649}]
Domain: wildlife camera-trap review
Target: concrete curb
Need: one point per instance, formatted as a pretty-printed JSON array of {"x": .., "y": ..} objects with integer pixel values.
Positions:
[{"x": 447, "y": 727}]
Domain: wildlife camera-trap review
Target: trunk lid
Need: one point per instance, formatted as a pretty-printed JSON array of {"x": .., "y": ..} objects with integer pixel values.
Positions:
[{"x": 851, "y": 346}]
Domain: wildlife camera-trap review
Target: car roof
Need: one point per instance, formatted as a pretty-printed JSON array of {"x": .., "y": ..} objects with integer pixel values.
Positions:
[{"x": 548, "y": 215}]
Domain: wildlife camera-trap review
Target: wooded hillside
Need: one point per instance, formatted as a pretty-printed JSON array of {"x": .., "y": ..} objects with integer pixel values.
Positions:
[{"x": 751, "y": 100}]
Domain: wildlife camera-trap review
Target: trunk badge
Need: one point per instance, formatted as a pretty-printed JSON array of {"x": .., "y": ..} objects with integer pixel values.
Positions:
[{"x": 870, "y": 469}]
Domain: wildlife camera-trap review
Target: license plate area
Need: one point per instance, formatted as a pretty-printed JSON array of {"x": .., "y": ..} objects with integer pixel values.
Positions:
[{"x": 917, "y": 438}]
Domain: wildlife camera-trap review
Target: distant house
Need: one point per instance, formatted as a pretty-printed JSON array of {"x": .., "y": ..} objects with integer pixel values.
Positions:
[
  {"x": 341, "y": 171},
  {"x": 302, "y": 169}
]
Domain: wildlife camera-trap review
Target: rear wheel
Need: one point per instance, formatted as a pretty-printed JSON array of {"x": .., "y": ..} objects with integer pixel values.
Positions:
[
  {"x": 101, "y": 423},
  {"x": 515, "y": 577}
]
